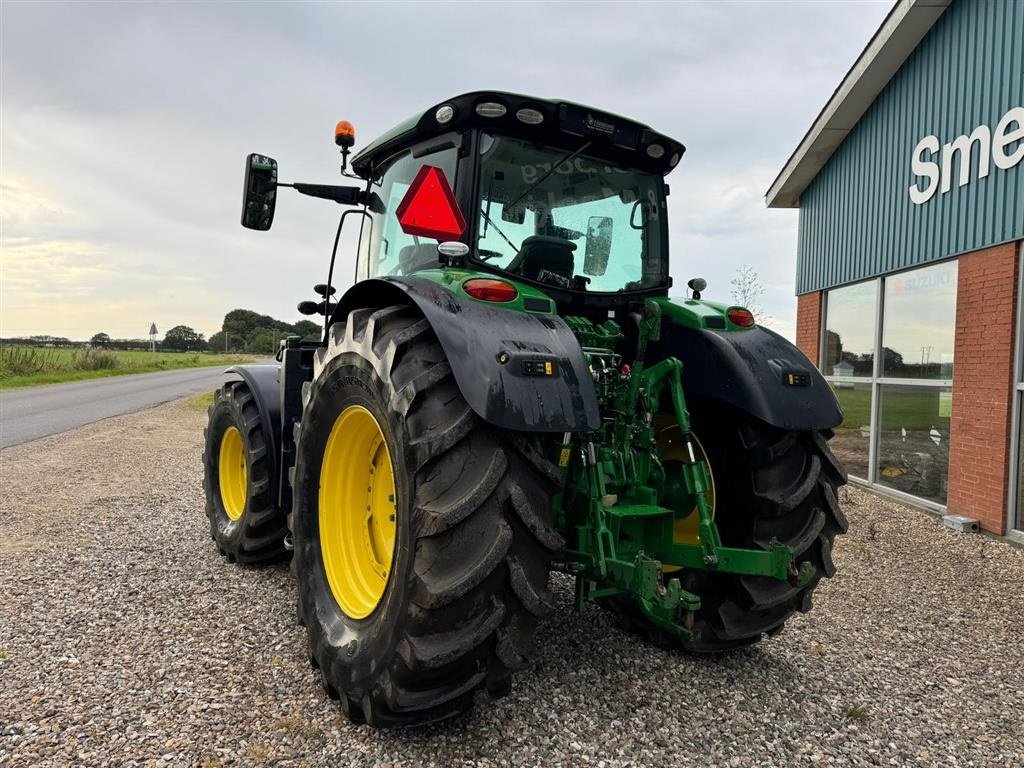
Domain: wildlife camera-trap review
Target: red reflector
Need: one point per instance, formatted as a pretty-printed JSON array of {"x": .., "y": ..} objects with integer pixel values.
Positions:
[
  {"x": 429, "y": 208},
  {"x": 741, "y": 317},
  {"x": 486, "y": 289}
]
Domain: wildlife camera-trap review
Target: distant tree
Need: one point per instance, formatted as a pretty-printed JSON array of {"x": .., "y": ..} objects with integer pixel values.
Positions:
[
  {"x": 183, "y": 338},
  {"x": 141, "y": 344},
  {"x": 833, "y": 347},
  {"x": 307, "y": 329},
  {"x": 249, "y": 331},
  {"x": 243, "y": 322},
  {"x": 892, "y": 361},
  {"x": 240, "y": 323},
  {"x": 262, "y": 341},
  {"x": 100, "y": 340},
  {"x": 45, "y": 340},
  {"x": 747, "y": 291},
  {"x": 216, "y": 343}
]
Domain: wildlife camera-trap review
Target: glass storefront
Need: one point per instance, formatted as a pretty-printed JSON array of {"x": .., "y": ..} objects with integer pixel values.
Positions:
[
  {"x": 852, "y": 443},
  {"x": 920, "y": 317},
  {"x": 850, "y": 330},
  {"x": 895, "y": 431},
  {"x": 913, "y": 440}
]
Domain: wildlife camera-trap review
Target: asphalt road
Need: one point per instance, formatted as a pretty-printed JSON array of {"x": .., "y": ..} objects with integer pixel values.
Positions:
[{"x": 33, "y": 412}]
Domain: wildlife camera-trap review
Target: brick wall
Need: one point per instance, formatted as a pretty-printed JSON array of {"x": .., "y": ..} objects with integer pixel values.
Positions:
[
  {"x": 808, "y": 324},
  {"x": 982, "y": 385}
]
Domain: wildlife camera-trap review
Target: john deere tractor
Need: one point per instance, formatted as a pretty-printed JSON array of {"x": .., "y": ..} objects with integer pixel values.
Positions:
[{"x": 507, "y": 390}]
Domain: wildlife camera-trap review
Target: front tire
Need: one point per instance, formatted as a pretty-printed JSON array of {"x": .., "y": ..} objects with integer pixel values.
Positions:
[
  {"x": 471, "y": 543},
  {"x": 245, "y": 522}
]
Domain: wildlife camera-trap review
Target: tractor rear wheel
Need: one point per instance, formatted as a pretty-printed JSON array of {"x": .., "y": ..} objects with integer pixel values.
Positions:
[
  {"x": 244, "y": 520},
  {"x": 422, "y": 538},
  {"x": 769, "y": 484}
]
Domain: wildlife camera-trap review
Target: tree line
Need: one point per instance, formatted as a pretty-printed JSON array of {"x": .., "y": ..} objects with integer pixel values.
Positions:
[
  {"x": 62, "y": 342},
  {"x": 242, "y": 331},
  {"x": 246, "y": 331}
]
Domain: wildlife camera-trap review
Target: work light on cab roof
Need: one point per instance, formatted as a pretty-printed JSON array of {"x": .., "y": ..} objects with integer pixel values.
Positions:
[{"x": 507, "y": 389}]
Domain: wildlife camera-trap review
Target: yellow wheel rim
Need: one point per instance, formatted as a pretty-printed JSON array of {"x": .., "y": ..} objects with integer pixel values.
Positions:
[
  {"x": 357, "y": 512},
  {"x": 234, "y": 473},
  {"x": 685, "y": 529}
]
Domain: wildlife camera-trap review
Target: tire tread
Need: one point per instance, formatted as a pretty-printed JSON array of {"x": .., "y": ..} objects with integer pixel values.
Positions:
[{"x": 482, "y": 546}]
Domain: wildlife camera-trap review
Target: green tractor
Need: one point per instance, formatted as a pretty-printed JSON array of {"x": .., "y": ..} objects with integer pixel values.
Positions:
[{"x": 505, "y": 391}]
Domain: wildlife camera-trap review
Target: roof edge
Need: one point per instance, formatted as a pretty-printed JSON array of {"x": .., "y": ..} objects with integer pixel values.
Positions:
[{"x": 896, "y": 39}]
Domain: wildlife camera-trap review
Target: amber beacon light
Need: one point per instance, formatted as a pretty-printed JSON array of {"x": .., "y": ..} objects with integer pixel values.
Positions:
[{"x": 344, "y": 134}]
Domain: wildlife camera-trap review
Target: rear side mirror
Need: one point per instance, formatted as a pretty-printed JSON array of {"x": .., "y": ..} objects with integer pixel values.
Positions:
[
  {"x": 514, "y": 214},
  {"x": 599, "y": 245},
  {"x": 259, "y": 195}
]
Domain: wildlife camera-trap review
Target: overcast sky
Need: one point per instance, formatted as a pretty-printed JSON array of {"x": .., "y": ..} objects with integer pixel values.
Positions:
[{"x": 125, "y": 126}]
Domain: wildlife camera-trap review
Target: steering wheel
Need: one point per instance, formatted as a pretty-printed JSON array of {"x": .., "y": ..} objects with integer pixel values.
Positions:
[{"x": 488, "y": 255}]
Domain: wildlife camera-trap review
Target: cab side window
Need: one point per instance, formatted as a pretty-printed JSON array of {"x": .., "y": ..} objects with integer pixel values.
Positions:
[{"x": 384, "y": 248}]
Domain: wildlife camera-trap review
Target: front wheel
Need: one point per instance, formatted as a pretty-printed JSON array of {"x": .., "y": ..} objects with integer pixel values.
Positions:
[
  {"x": 422, "y": 539},
  {"x": 769, "y": 485},
  {"x": 245, "y": 523}
]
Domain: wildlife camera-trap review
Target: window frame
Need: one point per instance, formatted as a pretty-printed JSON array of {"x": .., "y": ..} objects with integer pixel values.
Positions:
[
  {"x": 877, "y": 380},
  {"x": 1014, "y": 511}
]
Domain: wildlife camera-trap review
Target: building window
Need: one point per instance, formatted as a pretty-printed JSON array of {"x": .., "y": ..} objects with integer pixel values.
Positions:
[
  {"x": 852, "y": 444},
  {"x": 850, "y": 330},
  {"x": 920, "y": 319},
  {"x": 913, "y": 440},
  {"x": 887, "y": 352}
]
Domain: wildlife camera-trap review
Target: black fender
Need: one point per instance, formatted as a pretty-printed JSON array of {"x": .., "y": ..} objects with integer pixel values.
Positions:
[
  {"x": 477, "y": 337},
  {"x": 263, "y": 383},
  {"x": 755, "y": 370}
]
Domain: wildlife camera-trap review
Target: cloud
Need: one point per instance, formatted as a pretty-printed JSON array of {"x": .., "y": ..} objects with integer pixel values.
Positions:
[{"x": 124, "y": 127}]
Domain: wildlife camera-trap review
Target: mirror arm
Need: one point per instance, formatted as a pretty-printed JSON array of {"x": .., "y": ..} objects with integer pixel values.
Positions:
[{"x": 339, "y": 194}]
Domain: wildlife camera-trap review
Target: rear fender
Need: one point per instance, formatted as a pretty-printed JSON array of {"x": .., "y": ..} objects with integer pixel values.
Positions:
[
  {"x": 477, "y": 336},
  {"x": 755, "y": 370}
]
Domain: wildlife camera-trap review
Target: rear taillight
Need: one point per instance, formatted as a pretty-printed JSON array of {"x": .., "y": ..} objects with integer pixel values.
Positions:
[
  {"x": 740, "y": 316},
  {"x": 486, "y": 289}
]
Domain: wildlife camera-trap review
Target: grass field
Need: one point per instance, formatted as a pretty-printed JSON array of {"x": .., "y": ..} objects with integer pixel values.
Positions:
[
  {"x": 202, "y": 401},
  {"x": 911, "y": 409},
  {"x": 30, "y": 366}
]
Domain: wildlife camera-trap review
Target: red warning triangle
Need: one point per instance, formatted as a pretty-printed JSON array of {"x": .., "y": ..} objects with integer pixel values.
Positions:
[{"x": 429, "y": 208}]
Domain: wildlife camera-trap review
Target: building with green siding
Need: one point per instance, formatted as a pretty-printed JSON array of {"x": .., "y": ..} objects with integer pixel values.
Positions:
[{"x": 910, "y": 186}]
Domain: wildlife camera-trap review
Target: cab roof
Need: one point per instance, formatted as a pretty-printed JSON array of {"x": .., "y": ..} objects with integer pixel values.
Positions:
[{"x": 560, "y": 123}]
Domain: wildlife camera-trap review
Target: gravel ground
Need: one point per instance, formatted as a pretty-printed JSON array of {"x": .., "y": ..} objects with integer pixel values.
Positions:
[{"x": 125, "y": 640}]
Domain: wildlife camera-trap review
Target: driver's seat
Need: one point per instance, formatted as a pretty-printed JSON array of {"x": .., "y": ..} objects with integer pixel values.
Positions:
[
  {"x": 539, "y": 252},
  {"x": 413, "y": 257}
]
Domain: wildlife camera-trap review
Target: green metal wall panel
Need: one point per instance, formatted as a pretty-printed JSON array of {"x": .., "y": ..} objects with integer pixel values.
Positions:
[{"x": 857, "y": 219}]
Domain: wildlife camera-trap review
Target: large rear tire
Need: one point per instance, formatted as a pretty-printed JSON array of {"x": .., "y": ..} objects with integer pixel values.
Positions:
[
  {"x": 770, "y": 484},
  {"x": 463, "y": 566},
  {"x": 245, "y": 523}
]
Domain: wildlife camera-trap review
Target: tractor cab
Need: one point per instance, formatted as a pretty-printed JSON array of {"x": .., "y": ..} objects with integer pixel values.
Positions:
[{"x": 550, "y": 193}]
